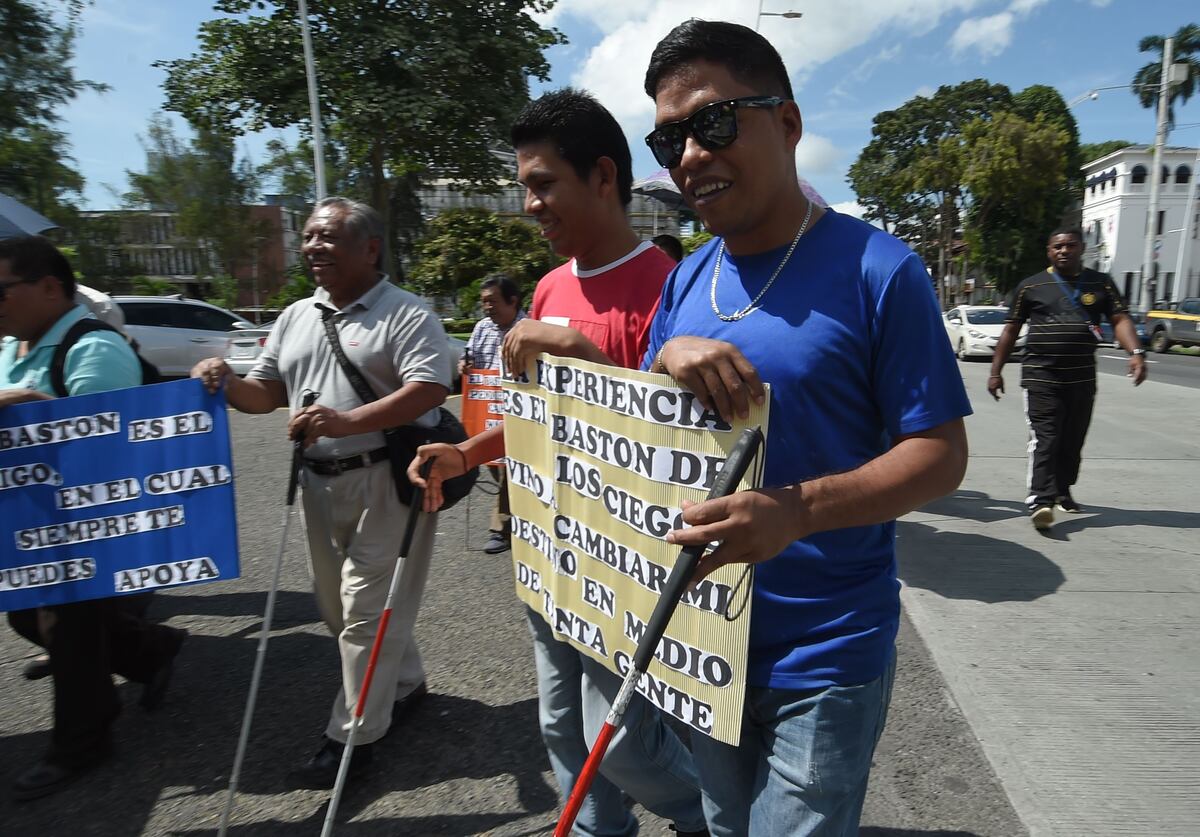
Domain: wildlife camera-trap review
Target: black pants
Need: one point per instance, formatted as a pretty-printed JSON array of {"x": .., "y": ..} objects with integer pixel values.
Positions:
[
  {"x": 1058, "y": 419},
  {"x": 88, "y": 642}
]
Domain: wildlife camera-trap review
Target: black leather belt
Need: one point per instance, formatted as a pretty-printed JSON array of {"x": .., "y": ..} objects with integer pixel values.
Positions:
[{"x": 334, "y": 467}]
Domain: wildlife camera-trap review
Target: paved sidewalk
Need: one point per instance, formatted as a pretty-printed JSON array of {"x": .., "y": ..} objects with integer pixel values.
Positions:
[{"x": 1074, "y": 653}]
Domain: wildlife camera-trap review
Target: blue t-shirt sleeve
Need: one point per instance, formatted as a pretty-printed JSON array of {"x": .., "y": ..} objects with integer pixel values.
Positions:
[
  {"x": 100, "y": 361},
  {"x": 915, "y": 378},
  {"x": 658, "y": 326}
]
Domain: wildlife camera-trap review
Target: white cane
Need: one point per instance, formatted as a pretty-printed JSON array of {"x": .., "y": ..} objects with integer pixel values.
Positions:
[
  {"x": 252, "y": 698},
  {"x": 410, "y": 527}
]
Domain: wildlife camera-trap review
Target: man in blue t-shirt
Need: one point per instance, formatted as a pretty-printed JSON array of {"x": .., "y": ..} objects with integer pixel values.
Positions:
[{"x": 865, "y": 425}]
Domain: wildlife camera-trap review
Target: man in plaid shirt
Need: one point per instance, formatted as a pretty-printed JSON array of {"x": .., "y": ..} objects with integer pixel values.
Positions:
[{"x": 500, "y": 299}]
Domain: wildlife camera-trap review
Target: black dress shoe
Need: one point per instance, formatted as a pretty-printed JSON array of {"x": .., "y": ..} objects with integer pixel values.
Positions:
[
  {"x": 320, "y": 772},
  {"x": 155, "y": 688},
  {"x": 405, "y": 705},
  {"x": 37, "y": 668},
  {"x": 47, "y": 777},
  {"x": 497, "y": 543}
]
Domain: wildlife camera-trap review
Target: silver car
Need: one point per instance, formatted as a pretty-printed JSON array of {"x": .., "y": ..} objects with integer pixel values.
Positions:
[
  {"x": 175, "y": 333},
  {"x": 246, "y": 345}
]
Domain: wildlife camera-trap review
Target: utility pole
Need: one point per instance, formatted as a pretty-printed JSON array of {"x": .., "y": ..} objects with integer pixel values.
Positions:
[
  {"x": 1183, "y": 285},
  {"x": 1160, "y": 139},
  {"x": 314, "y": 104}
]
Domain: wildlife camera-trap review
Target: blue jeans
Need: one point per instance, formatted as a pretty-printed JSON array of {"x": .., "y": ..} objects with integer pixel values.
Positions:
[
  {"x": 645, "y": 759},
  {"x": 802, "y": 765}
]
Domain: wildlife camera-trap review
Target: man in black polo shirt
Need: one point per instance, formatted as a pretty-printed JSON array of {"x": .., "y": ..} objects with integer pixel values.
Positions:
[{"x": 1063, "y": 306}]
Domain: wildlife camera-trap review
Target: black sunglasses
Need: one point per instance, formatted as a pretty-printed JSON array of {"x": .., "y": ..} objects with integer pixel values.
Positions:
[
  {"x": 714, "y": 126},
  {"x": 4, "y": 286}
]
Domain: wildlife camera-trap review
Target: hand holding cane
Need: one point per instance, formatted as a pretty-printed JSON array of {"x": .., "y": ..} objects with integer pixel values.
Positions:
[
  {"x": 681, "y": 575},
  {"x": 307, "y": 400},
  {"x": 410, "y": 528}
]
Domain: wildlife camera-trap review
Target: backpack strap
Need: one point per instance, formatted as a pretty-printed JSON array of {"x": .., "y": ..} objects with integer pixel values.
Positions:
[{"x": 58, "y": 360}]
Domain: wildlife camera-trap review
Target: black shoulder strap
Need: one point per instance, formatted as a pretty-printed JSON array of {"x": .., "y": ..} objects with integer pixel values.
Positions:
[
  {"x": 58, "y": 360},
  {"x": 356, "y": 379}
]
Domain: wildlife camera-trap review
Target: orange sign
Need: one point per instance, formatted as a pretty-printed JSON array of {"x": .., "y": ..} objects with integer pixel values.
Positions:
[{"x": 482, "y": 402}]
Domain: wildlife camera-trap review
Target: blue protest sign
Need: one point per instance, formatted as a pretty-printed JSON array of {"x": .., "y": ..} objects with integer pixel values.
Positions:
[{"x": 115, "y": 493}]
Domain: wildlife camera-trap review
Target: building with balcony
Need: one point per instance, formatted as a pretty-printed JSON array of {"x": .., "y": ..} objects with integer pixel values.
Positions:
[
  {"x": 647, "y": 216},
  {"x": 1116, "y": 201},
  {"x": 123, "y": 244}
]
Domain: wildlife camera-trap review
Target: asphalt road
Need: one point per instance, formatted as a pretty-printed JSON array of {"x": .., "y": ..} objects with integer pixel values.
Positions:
[
  {"x": 1168, "y": 368},
  {"x": 468, "y": 761}
]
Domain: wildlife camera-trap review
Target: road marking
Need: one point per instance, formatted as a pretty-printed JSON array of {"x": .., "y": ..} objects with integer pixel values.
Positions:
[{"x": 1118, "y": 357}]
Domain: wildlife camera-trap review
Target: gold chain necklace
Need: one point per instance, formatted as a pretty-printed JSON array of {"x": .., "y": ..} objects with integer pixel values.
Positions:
[{"x": 753, "y": 306}]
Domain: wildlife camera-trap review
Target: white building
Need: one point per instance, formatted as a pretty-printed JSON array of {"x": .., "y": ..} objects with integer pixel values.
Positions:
[{"x": 1116, "y": 199}]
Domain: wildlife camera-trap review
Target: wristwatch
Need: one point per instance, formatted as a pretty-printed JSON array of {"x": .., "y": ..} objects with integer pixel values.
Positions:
[{"x": 1137, "y": 352}]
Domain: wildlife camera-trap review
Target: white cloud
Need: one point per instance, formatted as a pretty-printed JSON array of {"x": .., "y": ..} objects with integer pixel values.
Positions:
[
  {"x": 853, "y": 209},
  {"x": 983, "y": 37},
  {"x": 615, "y": 67},
  {"x": 856, "y": 78},
  {"x": 987, "y": 37},
  {"x": 816, "y": 155},
  {"x": 850, "y": 208}
]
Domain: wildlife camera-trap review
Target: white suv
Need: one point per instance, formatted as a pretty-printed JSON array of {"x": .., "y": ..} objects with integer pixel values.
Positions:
[{"x": 175, "y": 333}]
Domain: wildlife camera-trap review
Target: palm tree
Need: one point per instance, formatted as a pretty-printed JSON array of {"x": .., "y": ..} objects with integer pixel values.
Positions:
[{"x": 1147, "y": 79}]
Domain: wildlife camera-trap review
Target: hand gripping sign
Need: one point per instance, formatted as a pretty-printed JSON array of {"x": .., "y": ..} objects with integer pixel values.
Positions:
[
  {"x": 600, "y": 460},
  {"x": 115, "y": 493}
]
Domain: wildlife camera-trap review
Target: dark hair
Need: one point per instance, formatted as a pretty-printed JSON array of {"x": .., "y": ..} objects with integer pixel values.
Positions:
[
  {"x": 582, "y": 131},
  {"x": 747, "y": 55},
  {"x": 1075, "y": 231},
  {"x": 32, "y": 257},
  {"x": 508, "y": 288},
  {"x": 670, "y": 245}
]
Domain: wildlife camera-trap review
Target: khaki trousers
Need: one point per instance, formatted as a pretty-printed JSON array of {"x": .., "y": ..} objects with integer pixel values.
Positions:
[{"x": 354, "y": 523}]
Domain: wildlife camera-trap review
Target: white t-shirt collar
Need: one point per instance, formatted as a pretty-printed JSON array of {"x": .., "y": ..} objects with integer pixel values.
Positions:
[{"x": 632, "y": 254}]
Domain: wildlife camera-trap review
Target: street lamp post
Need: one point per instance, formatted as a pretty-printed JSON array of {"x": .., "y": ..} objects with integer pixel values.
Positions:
[
  {"x": 314, "y": 104},
  {"x": 789, "y": 15}
]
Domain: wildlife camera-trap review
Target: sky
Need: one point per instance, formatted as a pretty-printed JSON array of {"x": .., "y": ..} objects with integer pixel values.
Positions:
[{"x": 848, "y": 60}]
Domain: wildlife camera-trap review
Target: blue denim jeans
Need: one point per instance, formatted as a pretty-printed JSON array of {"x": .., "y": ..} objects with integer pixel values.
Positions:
[
  {"x": 645, "y": 759},
  {"x": 802, "y": 765}
]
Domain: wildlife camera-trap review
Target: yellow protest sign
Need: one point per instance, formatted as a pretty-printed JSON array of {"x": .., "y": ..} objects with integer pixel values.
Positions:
[{"x": 600, "y": 461}]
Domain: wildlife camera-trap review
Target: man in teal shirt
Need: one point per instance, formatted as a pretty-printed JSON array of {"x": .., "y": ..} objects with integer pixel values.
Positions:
[{"x": 87, "y": 641}]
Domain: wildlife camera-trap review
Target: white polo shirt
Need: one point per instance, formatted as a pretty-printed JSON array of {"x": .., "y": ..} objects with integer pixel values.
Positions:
[{"x": 388, "y": 333}]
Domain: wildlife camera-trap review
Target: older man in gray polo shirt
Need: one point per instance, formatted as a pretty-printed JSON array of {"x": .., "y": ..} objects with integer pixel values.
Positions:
[{"x": 353, "y": 516}]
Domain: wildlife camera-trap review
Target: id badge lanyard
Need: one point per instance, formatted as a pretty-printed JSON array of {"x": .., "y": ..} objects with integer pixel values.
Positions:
[{"x": 1074, "y": 295}]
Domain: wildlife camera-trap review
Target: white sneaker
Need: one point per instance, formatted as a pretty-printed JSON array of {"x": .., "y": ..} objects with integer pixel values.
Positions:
[{"x": 1043, "y": 517}]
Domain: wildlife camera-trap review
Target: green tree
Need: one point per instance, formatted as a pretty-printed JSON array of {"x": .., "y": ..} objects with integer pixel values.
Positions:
[
  {"x": 1147, "y": 79},
  {"x": 1016, "y": 176},
  {"x": 934, "y": 167},
  {"x": 148, "y": 286},
  {"x": 401, "y": 83},
  {"x": 461, "y": 246},
  {"x": 298, "y": 286},
  {"x": 209, "y": 190},
  {"x": 907, "y": 177},
  {"x": 37, "y": 80},
  {"x": 1090, "y": 151},
  {"x": 692, "y": 243}
]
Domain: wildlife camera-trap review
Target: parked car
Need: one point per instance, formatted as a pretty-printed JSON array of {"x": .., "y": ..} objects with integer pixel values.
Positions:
[
  {"x": 247, "y": 344},
  {"x": 175, "y": 333},
  {"x": 1139, "y": 325},
  {"x": 974, "y": 330},
  {"x": 1177, "y": 326}
]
